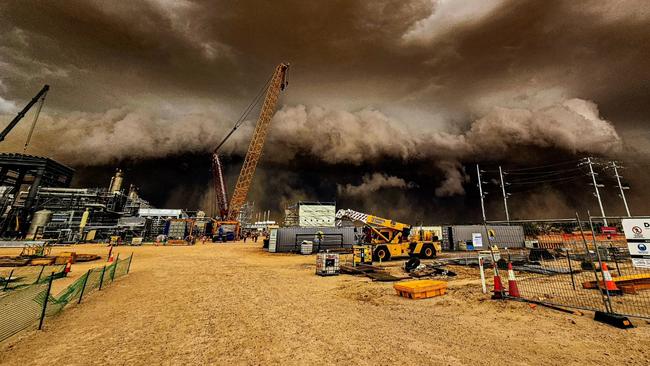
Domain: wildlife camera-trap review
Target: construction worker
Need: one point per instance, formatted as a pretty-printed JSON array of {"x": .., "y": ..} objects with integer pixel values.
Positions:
[
  {"x": 319, "y": 238},
  {"x": 220, "y": 232}
]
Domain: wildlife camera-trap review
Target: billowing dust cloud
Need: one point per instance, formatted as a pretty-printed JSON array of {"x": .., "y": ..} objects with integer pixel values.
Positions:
[
  {"x": 373, "y": 183},
  {"x": 331, "y": 136},
  {"x": 374, "y": 87}
]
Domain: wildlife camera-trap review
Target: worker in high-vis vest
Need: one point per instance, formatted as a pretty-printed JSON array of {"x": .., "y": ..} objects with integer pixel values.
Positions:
[{"x": 318, "y": 238}]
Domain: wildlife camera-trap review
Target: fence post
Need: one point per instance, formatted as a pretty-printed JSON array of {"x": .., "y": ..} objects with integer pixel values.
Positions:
[
  {"x": 600, "y": 263},
  {"x": 81, "y": 294},
  {"x": 117, "y": 260},
  {"x": 40, "y": 273},
  {"x": 128, "y": 268},
  {"x": 8, "y": 279},
  {"x": 101, "y": 279},
  {"x": 568, "y": 258},
  {"x": 584, "y": 240},
  {"x": 47, "y": 297}
]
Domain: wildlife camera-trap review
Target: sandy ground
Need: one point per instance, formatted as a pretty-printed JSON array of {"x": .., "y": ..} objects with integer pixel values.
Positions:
[{"x": 236, "y": 304}]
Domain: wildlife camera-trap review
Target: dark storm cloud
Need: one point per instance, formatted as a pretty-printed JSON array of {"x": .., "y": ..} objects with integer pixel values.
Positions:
[{"x": 449, "y": 82}]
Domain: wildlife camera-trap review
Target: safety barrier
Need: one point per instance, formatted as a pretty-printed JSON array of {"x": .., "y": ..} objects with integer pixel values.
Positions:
[
  {"x": 578, "y": 264},
  {"x": 26, "y": 305},
  {"x": 13, "y": 278}
]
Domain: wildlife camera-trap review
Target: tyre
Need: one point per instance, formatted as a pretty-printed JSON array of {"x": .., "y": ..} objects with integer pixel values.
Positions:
[
  {"x": 381, "y": 254},
  {"x": 428, "y": 251}
]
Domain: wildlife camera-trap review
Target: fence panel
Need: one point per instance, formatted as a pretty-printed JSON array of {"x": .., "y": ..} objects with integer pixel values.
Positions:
[
  {"x": 12, "y": 278},
  {"x": 94, "y": 279},
  {"x": 556, "y": 260},
  {"x": 122, "y": 267},
  {"x": 630, "y": 275},
  {"x": 21, "y": 308},
  {"x": 23, "y": 305}
]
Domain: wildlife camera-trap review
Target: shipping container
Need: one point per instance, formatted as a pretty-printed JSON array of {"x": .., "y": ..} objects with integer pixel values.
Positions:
[
  {"x": 288, "y": 239},
  {"x": 505, "y": 236}
]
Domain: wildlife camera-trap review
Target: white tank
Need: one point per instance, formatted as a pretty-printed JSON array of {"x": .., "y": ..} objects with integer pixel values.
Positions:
[{"x": 40, "y": 219}]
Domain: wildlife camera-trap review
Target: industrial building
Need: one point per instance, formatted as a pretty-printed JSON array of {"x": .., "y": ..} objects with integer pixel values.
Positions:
[
  {"x": 21, "y": 176},
  {"x": 36, "y": 201}
]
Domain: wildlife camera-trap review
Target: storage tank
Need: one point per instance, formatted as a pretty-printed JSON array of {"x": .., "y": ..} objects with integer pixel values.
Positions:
[
  {"x": 40, "y": 219},
  {"x": 133, "y": 192},
  {"x": 116, "y": 182}
]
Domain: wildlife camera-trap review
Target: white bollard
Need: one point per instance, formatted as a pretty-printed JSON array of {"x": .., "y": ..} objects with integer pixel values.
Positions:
[{"x": 480, "y": 265}]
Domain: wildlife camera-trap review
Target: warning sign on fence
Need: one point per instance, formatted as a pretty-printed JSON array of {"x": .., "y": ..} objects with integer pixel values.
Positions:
[
  {"x": 477, "y": 240},
  {"x": 492, "y": 235},
  {"x": 637, "y": 234}
]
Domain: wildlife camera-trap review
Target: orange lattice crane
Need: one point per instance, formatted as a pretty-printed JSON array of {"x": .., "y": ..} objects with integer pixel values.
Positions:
[{"x": 230, "y": 211}]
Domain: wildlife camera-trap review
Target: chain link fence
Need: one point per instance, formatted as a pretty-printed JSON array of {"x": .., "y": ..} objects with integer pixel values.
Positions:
[
  {"x": 566, "y": 262},
  {"x": 24, "y": 306}
]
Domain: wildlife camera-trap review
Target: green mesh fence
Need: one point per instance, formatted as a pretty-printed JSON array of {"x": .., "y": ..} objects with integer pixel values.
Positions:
[
  {"x": 20, "y": 309},
  {"x": 22, "y": 306},
  {"x": 13, "y": 278},
  {"x": 94, "y": 279},
  {"x": 122, "y": 267}
]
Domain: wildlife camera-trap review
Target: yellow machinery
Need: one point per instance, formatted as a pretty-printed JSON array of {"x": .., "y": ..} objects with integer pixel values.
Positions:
[
  {"x": 361, "y": 254},
  {"x": 391, "y": 239}
]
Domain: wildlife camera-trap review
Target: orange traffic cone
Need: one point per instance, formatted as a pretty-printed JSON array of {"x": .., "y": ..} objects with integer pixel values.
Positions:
[
  {"x": 498, "y": 287},
  {"x": 610, "y": 285},
  {"x": 68, "y": 266},
  {"x": 513, "y": 290}
]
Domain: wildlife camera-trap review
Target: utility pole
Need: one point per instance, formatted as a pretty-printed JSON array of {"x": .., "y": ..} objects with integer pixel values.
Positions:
[
  {"x": 480, "y": 191},
  {"x": 620, "y": 187},
  {"x": 505, "y": 196},
  {"x": 593, "y": 179}
]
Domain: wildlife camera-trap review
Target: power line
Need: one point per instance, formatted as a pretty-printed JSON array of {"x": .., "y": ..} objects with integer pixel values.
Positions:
[
  {"x": 544, "y": 172},
  {"x": 562, "y": 179},
  {"x": 574, "y": 161}
]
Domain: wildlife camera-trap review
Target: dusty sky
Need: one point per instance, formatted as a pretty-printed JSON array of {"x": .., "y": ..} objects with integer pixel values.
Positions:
[{"x": 389, "y": 105}]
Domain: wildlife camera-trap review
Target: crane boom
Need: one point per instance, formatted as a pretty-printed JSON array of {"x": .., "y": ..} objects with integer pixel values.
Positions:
[
  {"x": 219, "y": 185},
  {"x": 24, "y": 111},
  {"x": 370, "y": 219},
  {"x": 257, "y": 142}
]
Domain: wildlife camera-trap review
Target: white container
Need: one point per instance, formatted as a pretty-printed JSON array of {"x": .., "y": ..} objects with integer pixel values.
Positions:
[{"x": 306, "y": 247}]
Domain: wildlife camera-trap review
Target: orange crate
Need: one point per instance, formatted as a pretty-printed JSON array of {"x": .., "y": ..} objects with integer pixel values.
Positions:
[{"x": 420, "y": 289}]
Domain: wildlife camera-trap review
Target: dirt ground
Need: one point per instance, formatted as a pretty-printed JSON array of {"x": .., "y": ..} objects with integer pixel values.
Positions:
[{"x": 236, "y": 304}]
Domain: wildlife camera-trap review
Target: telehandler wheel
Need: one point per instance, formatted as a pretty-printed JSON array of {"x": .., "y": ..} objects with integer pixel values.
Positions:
[
  {"x": 428, "y": 251},
  {"x": 381, "y": 254}
]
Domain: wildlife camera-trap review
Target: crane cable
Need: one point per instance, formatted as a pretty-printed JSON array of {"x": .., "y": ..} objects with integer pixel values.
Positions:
[
  {"x": 245, "y": 113},
  {"x": 31, "y": 130}
]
